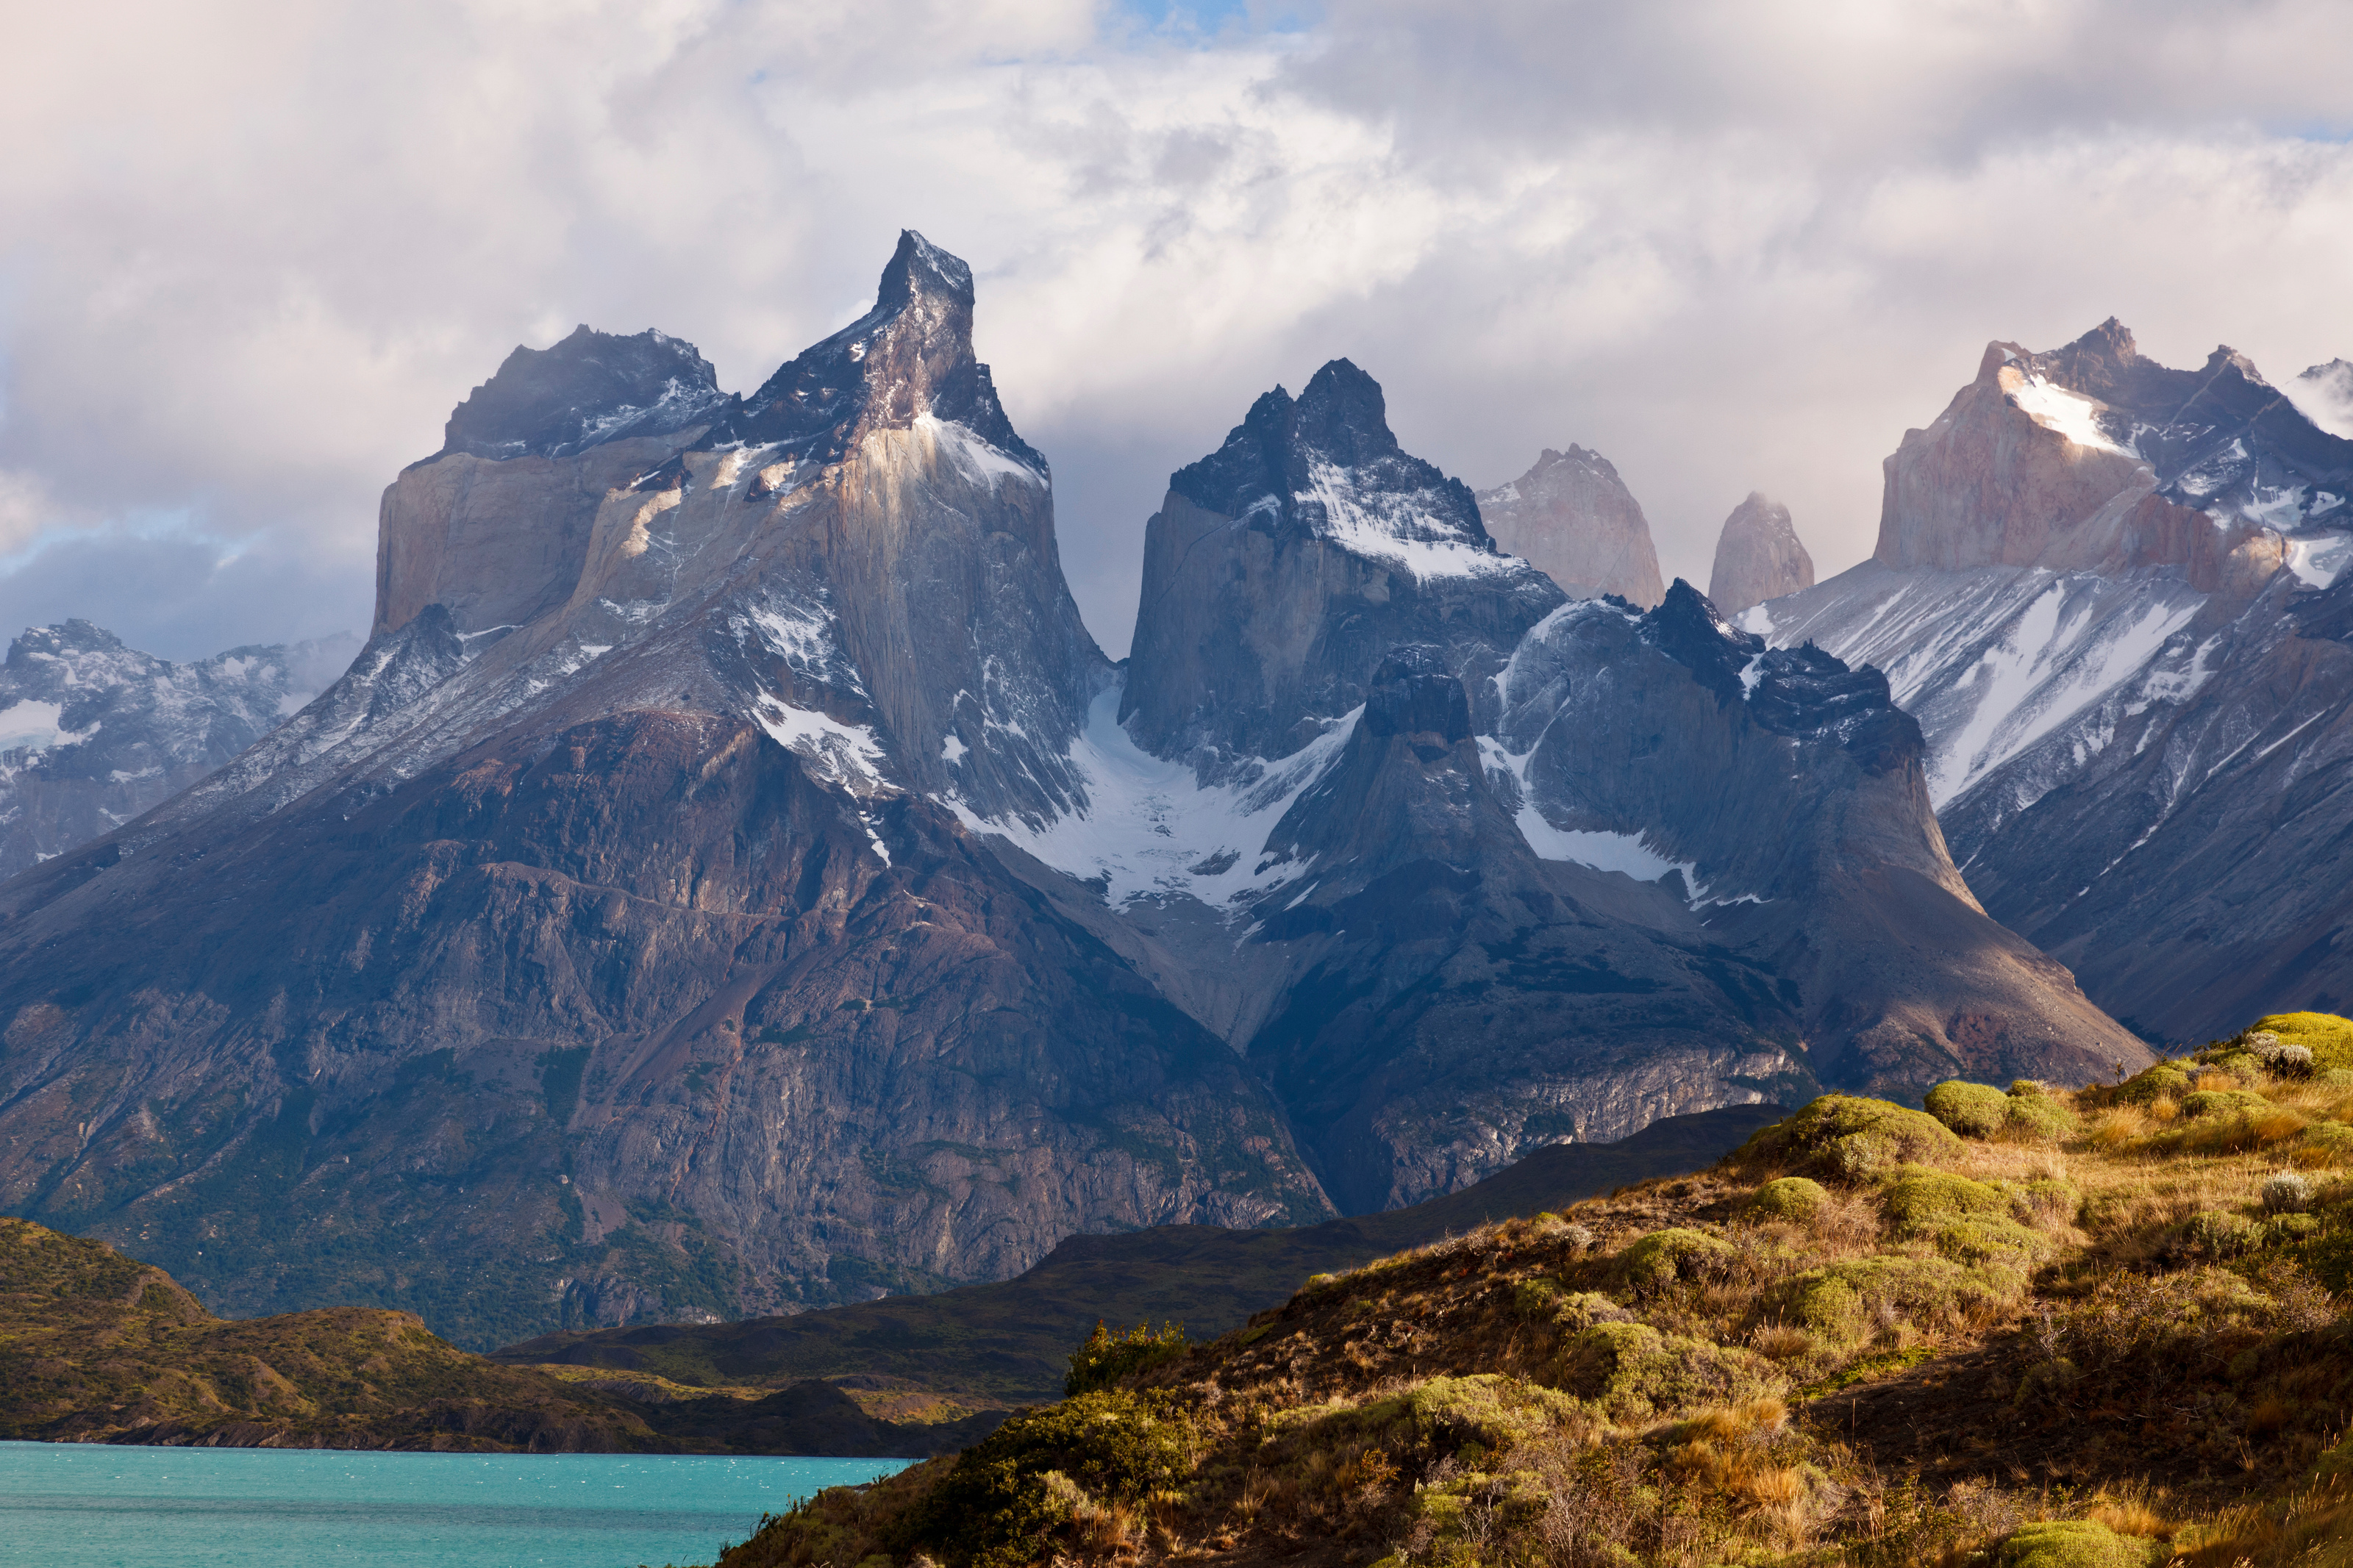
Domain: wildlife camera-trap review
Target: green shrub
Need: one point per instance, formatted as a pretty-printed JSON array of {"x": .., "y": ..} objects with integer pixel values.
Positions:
[
  {"x": 1107, "y": 1357},
  {"x": 1849, "y": 1139},
  {"x": 1797, "y": 1199},
  {"x": 2327, "y": 1037},
  {"x": 1971, "y": 1109},
  {"x": 1920, "y": 1195},
  {"x": 1487, "y": 1408},
  {"x": 2074, "y": 1543},
  {"x": 2287, "y": 1229},
  {"x": 1657, "y": 1260},
  {"x": 2033, "y": 1114},
  {"x": 2224, "y": 1102},
  {"x": 1843, "y": 1302},
  {"x": 2217, "y": 1233},
  {"x": 2332, "y": 1138},
  {"x": 1633, "y": 1372},
  {"x": 2334, "y": 1078},
  {"x": 996, "y": 1507},
  {"x": 2165, "y": 1080}
]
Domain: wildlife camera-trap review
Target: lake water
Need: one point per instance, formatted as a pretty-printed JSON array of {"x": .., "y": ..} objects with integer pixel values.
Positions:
[{"x": 90, "y": 1505}]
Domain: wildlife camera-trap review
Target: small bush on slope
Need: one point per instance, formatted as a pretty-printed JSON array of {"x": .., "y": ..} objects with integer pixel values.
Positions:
[{"x": 1913, "y": 1352}]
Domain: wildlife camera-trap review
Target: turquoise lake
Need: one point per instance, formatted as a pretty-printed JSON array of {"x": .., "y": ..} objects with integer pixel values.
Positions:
[{"x": 89, "y": 1505}]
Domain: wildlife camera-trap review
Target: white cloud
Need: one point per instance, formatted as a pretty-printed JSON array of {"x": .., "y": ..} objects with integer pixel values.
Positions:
[{"x": 256, "y": 252}]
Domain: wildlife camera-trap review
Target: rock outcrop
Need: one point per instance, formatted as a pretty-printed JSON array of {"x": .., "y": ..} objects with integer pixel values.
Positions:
[
  {"x": 2109, "y": 592},
  {"x": 1757, "y": 556},
  {"x": 93, "y": 733},
  {"x": 1574, "y": 519}
]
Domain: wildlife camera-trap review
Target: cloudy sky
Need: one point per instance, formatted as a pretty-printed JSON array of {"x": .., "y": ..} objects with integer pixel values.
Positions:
[{"x": 252, "y": 254}]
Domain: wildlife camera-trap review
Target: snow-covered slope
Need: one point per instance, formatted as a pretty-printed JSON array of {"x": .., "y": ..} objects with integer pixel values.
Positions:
[
  {"x": 2095, "y": 589},
  {"x": 93, "y": 733}
]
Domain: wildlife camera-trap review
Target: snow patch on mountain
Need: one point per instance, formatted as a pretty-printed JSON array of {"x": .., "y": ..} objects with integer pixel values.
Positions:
[
  {"x": 38, "y": 726},
  {"x": 2319, "y": 560},
  {"x": 846, "y": 756},
  {"x": 1151, "y": 828},
  {"x": 1417, "y": 536},
  {"x": 974, "y": 456},
  {"x": 2069, "y": 414},
  {"x": 2040, "y": 672}
]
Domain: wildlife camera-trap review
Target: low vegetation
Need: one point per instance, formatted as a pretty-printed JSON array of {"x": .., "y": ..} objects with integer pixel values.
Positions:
[
  {"x": 95, "y": 1347},
  {"x": 2025, "y": 1328}
]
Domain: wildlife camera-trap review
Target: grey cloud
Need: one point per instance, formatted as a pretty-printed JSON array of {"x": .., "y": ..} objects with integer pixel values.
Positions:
[{"x": 257, "y": 257}]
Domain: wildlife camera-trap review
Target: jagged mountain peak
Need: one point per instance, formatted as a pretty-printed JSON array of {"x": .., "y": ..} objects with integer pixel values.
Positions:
[
  {"x": 1310, "y": 461},
  {"x": 1283, "y": 566},
  {"x": 75, "y": 633},
  {"x": 908, "y": 358},
  {"x": 2093, "y": 457},
  {"x": 586, "y": 389}
]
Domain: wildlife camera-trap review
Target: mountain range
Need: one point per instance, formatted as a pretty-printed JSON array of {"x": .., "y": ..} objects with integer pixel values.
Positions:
[
  {"x": 2112, "y": 595},
  {"x": 731, "y": 880},
  {"x": 93, "y": 733}
]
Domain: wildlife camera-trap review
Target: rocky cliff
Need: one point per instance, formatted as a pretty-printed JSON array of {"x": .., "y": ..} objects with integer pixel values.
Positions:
[
  {"x": 1283, "y": 567},
  {"x": 2134, "y": 699},
  {"x": 93, "y": 733},
  {"x": 1757, "y": 556},
  {"x": 1574, "y": 519}
]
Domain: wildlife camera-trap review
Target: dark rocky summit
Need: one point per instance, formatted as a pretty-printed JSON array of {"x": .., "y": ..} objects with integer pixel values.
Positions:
[
  {"x": 1283, "y": 567},
  {"x": 2112, "y": 595},
  {"x": 724, "y": 883},
  {"x": 1757, "y": 556},
  {"x": 591, "y": 388},
  {"x": 93, "y": 733}
]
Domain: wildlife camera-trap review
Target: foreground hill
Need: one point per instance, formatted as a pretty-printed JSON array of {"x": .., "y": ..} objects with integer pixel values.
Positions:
[
  {"x": 99, "y": 1348},
  {"x": 2036, "y": 1329},
  {"x": 1008, "y": 1343},
  {"x": 96, "y": 1347}
]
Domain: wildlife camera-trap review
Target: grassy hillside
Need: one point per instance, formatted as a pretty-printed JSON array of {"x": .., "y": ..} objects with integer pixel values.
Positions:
[
  {"x": 2032, "y": 1330},
  {"x": 97, "y": 1347},
  {"x": 1007, "y": 1343}
]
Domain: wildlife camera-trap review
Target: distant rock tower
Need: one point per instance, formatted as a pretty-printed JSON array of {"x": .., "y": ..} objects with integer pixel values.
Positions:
[
  {"x": 1757, "y": 556},
  {"x": 1573, "y": 519}
]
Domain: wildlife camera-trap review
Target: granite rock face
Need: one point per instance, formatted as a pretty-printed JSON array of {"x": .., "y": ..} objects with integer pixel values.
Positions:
[
  {"x": 1573, "y": 519},
  {"x": 93, "y": 733},
  {"x": 1283, "y": 567},
  {"x": 1757, "y": 556},
  {"x": 2134, "y": 701}
]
